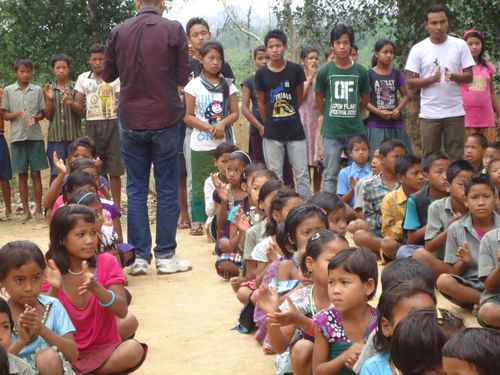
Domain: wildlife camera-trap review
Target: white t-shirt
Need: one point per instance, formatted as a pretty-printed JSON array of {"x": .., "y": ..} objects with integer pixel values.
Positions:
[
  {"x": 99, "y": 96},
  {"x": 207, "y": 108},
  {"x": 442, "y": 99}
]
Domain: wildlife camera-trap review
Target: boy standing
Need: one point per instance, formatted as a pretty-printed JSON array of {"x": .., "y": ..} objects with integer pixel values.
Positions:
[
  {"x": 359, "y": 151},
  {"x": 63, "y": 112},
  {"x": 342, "y": 93},
  {"x": 5, "y": 168},
  {"x": 462, "y": 284},
  {"x": 441, "y": 214},
  {"x": 280, "y": 88},
  {"x": 101, "y": 102},
  {"x": 23, "y": 106}
]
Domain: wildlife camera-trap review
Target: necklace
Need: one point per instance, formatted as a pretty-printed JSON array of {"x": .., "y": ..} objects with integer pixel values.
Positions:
[{"x": 75, "y": 273}]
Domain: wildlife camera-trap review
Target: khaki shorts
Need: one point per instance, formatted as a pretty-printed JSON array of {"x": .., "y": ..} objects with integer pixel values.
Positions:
[{"x": 106, "y": 136}]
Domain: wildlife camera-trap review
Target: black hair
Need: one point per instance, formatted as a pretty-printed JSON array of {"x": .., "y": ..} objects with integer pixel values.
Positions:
[
  {"x": 481, "y": 138},
  {"x": 491, "y": 164},
  {"x": 296, "y": 216},
  {"x": 62, "y": 223},
  {"x": 479, "y": 347},
  {"x": 16, "y": 254},
  {"x": 478, "y": 35},
  {"x": 388, "y": 145},
  {"x": 327, "y": 201},
  {"x": 306, "y": 51},
  {"x": 206, "y": 47},
  {"x": 361, "y": 138},
  {"x": 328, "y": 53},
  {"x": 379, "y": 44},
  {"x": 75, "y": 181},
  {"x": 479, "y": 179},
  {"x": 85, "y": 142},
  {"x": 388, "y": 301},
  {"x": 5, "y": 309},
  {"x": 431, "y": 158},
  {"x": 4, "y": 361},
  {"x": 96, "y": 48},
  {"x": 270, "y": 187},
  {"x": 436, "y": 8},
  {"x": 417, "y": 342},
  {"x": 354, "y": 46},
  {"x": 358, "y": 261},
  {"x": 60, "y": 57},
  {"x": 456, "y": 167},
  {"x": 196, "y": 21},
  {"x": 276, "y": 34},
  {"x": 251, "y": 169},
  {"x": 407, "y": 269},
  {"x": 405, "y": 162},
  {"x": 241, "y": 156},
  {"x": 277, "y": 204},
  {"x": 82, "y": 163},
  {"x": 340, "y": 30},
  {"x": 261, "y": 48},
  {"x": 315, "y": 245},
  {"x": 224, "y": 148},
  {"x": 22, "y": 61},
  {"x": 282, "y": 241},
  {"x": 86, "y": 198},
  {"x": 269, "y": 174},
  {"x": 495, "y": 145}
]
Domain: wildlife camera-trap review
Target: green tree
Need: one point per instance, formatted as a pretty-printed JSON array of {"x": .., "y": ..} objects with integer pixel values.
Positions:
[{"x": 42, "y": 28}]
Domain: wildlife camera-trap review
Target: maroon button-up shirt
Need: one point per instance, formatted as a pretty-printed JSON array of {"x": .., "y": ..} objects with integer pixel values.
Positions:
[{"x": 150, "y": 56}]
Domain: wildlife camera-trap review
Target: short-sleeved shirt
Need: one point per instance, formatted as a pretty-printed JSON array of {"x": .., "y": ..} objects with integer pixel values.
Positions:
[
  {"x": 99, "y": 96},
  {"x": 254, "y": 235},
  {"x": 282, "y": 121},
  {"x": 342, "y": 89},
  {"x": 412, "y": 221},
  {"x": 378, "y": 365},
  {"x": 358, "y": 191},
  {"x": 15, "y": 99},
  {"x": 440, "y": 211},
  {"x": 368, "y": 352},
  {"x": 208, "y": 107},
  {"x": 249, "y": 83},
  {"x": 259, "y": 252},
  {"x": 488, "y": 249},
  {"x": 355, "y": 171},
  {"x": 441, "y": 99},
  {"x": 477, "y": 97},
  {"x": 96, "y": 326},
  {"x": 65, "y": 124},
  {"x": 393, "y": 209},
  {"x": 384, "y": 96},
  {"x": 374, "y": 192},
  {"x": 18, "y": 366},
  {"x": 460, "y": 231},
  {"x": 58, "y": 322}
]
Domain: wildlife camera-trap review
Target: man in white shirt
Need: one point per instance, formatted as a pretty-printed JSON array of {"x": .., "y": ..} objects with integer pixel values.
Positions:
[{"x": 438, "y": 65}]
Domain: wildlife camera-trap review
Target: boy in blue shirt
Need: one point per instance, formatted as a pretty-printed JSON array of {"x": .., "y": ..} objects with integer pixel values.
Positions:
[{"x": 359, "y": 151}]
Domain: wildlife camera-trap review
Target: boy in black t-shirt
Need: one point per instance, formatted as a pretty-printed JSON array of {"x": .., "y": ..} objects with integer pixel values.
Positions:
[{"x": 280, "y": 88}]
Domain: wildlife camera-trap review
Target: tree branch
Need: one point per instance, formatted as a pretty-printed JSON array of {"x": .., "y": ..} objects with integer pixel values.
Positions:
[{"x": 237, "y": 23}]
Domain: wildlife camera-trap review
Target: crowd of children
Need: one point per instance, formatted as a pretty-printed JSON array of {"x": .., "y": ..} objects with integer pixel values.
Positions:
[{"x": 304, "y": 287}]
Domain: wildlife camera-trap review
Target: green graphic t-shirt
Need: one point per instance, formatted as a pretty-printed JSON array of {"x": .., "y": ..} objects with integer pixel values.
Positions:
[{"x": 342, "y": 88}]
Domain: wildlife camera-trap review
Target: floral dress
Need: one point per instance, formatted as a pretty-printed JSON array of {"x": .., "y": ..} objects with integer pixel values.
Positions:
[{"x": 330, "y": 324}]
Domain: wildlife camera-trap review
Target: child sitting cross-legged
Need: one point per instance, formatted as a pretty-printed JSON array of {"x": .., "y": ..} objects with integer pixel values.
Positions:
[{"x": 461, "y": 283}]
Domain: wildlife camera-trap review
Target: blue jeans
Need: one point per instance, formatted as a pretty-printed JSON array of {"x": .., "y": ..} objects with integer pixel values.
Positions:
[
  {"x": 274, "y": 154},
  {"x": 139, "y": 150},
  {"x": 332, "y": 152}
]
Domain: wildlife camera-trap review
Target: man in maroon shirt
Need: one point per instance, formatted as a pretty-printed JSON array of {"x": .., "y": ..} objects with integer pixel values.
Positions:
[{"x": 150, "y": 56}]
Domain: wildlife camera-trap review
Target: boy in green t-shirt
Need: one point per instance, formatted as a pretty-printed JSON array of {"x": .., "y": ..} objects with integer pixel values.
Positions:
[{"x": 342, "y": 93}]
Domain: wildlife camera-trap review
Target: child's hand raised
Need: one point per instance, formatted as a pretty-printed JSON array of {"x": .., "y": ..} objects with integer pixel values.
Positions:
[
  {"x": 59, "y": 163},
  {"x": 351, "y": 355},
  {"x": 89, "y": 283},
  {"x": 241, "y": 220},
  {"x": 267, "y": 299},
  {"x": 30, "y": 320},
  {"x": 48, "y": 92},
  {"x": 352, "y": 182},
  {"x": 291, "y": 316},
  {"x": 464, "y": 253},
  {"x": 52, "y": 275},
  {"x": 221, "y": 188}
]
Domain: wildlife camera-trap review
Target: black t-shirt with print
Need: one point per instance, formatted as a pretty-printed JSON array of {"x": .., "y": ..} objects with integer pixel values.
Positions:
[{"x": 282, "y": 121}]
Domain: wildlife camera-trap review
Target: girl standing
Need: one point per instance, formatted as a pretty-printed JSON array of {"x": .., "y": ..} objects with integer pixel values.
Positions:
[
  {"x": 211, "y": 109},
  {"x": 482, "y": 110},
  {"x": 90, "y": 287},
  {"x": 341, "y": 329},
  {"x": 309, "y": 113},
  {"x": 385, "y": 108},
  {"x": 43, "y": 331}
]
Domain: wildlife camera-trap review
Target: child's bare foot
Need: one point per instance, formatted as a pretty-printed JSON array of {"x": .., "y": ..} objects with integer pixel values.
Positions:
[
  {"x": 26, "y": 217},
  {"x": 39, "y": 216}
]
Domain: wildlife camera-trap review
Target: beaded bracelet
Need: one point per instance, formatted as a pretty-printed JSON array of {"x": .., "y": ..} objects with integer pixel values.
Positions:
[{"x": 113, "y": 298}]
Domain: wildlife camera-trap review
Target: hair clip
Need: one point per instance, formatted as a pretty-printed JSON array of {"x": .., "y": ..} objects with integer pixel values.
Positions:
[
  {"x": 315, "y": 236},
  {"x": 249, "y": 159}
]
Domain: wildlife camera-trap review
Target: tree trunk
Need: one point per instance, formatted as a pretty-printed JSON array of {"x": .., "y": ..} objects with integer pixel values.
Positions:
[{"x": 94, "y": 24}]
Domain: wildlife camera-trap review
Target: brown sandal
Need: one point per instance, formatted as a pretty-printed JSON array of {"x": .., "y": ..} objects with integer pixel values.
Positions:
[{"x": 196, "y": 230}]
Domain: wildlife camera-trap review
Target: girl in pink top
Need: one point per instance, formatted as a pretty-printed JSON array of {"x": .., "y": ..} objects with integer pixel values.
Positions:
[
  {"x": 482, "y": 110},
  {"x": 90, "y": 287}
]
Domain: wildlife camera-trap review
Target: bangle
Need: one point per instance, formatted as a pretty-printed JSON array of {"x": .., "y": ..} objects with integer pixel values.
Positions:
[
  {"x": 310, "y": 331},
  {"x": 111, "y": 301}
]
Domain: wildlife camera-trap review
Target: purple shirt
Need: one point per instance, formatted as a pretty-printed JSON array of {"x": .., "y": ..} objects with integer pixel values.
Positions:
[{"x": 150, "y": 56}]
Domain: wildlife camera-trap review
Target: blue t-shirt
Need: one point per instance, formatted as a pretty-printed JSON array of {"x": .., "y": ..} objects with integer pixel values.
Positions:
[
  {"x": 412, "y": 222},
  {"x": 58, "y": 322},
  {"x": 357, "y": 172},
  {"x": 377, "y": 365}
]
